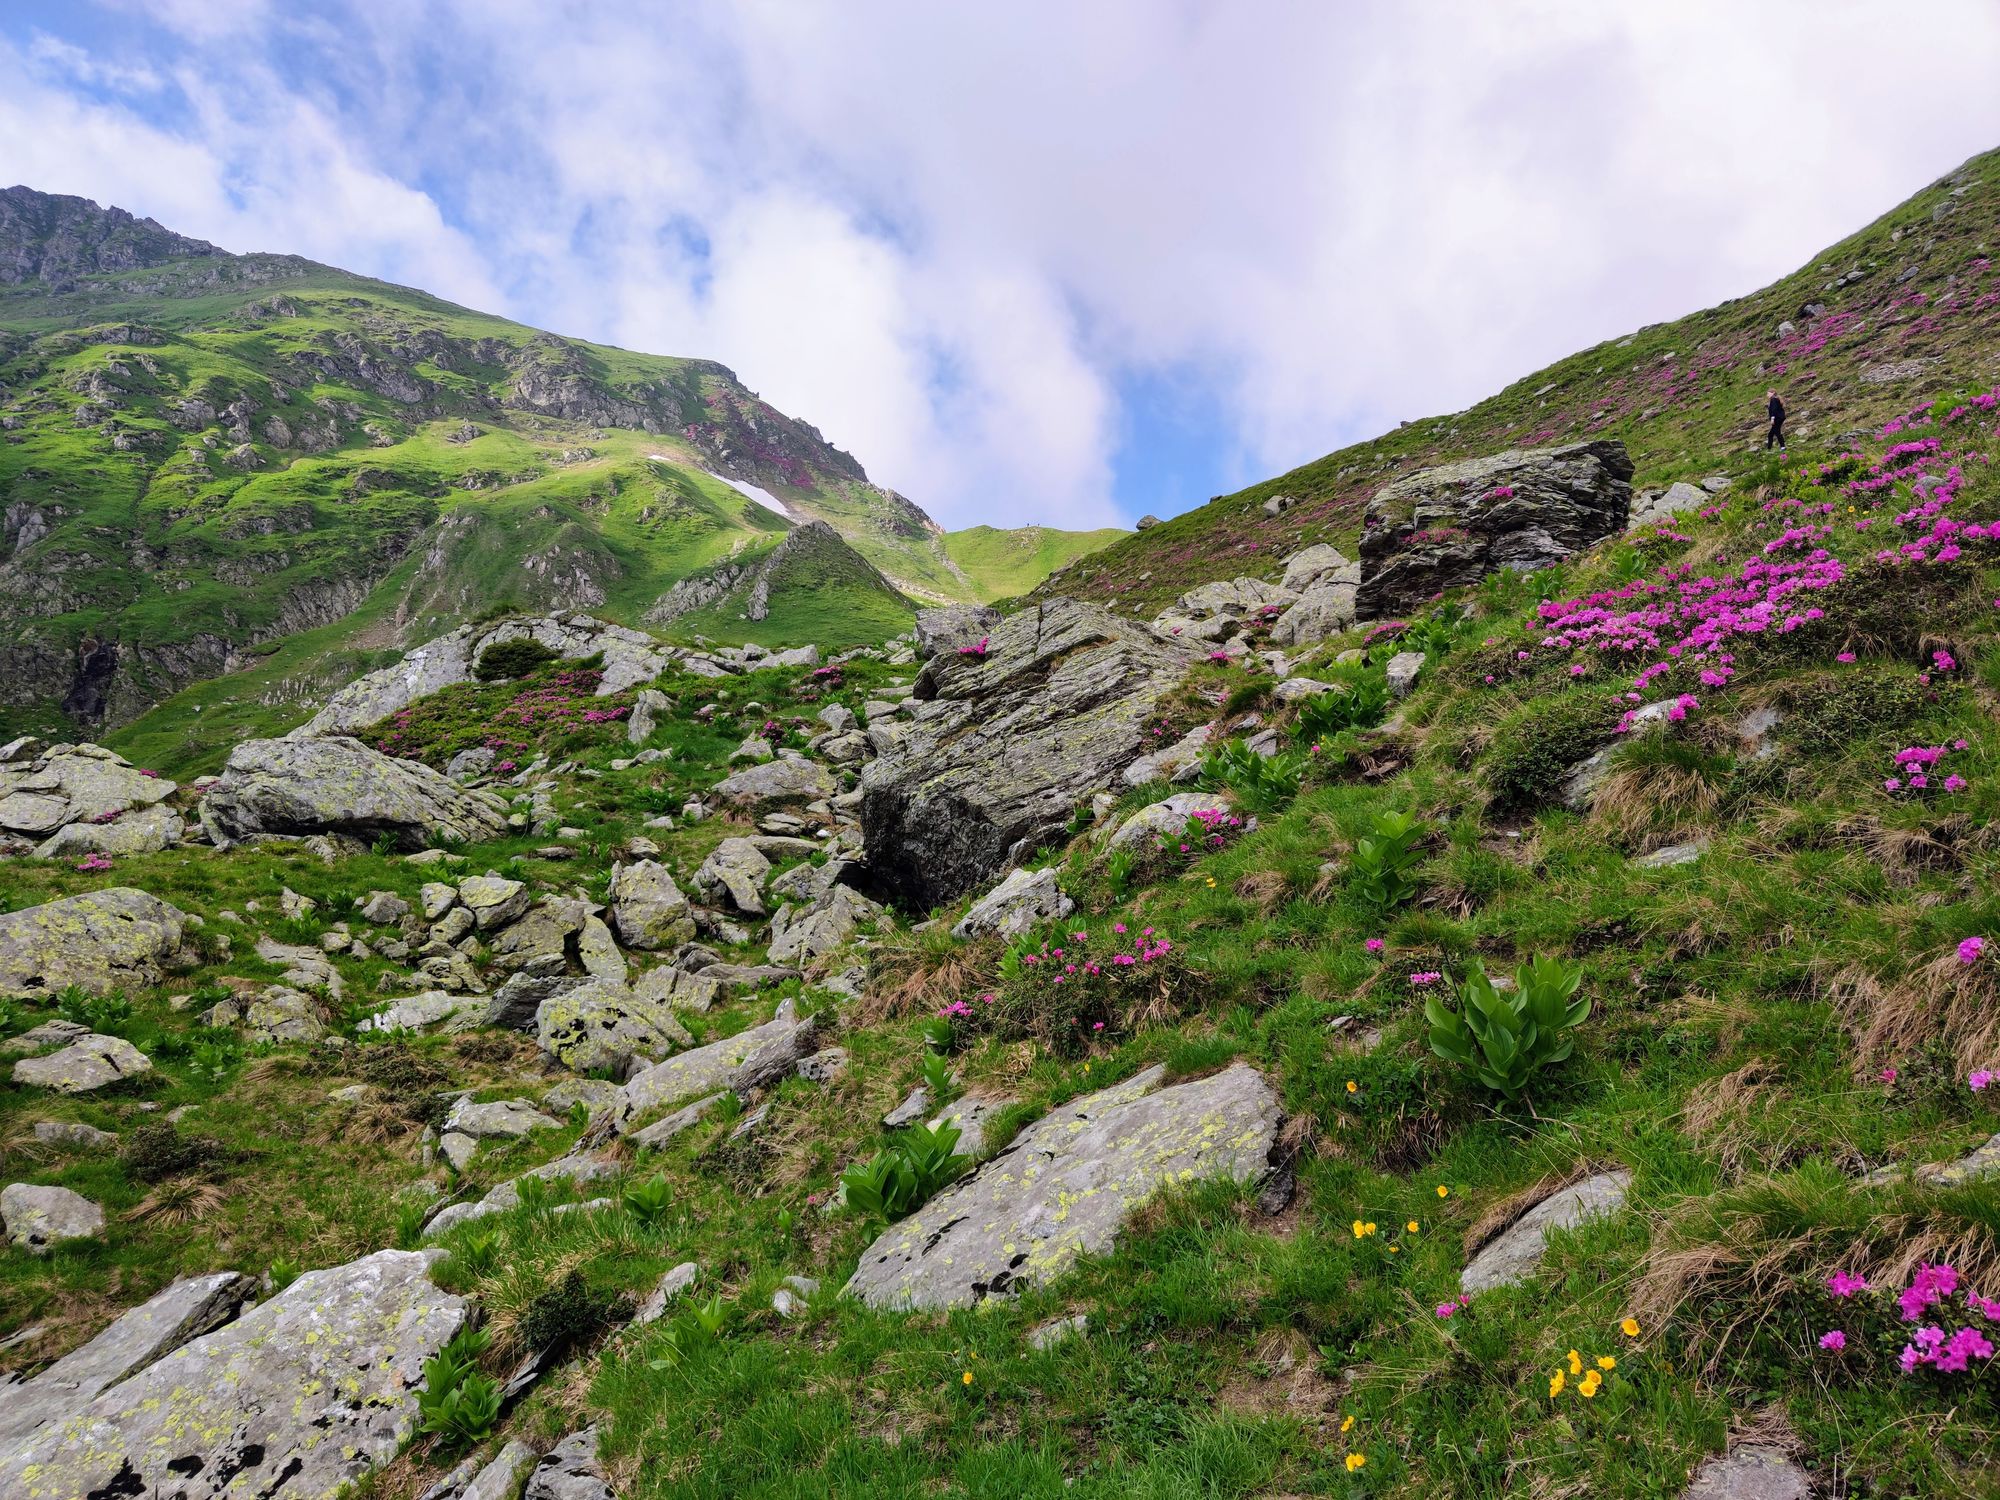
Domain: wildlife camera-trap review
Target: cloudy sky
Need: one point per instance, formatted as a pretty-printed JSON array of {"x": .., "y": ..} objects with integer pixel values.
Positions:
[{"x": 1049, "y": 262}]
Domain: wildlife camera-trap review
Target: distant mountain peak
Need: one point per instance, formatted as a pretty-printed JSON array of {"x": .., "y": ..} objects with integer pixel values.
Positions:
[{"x": 54, "y": 238}]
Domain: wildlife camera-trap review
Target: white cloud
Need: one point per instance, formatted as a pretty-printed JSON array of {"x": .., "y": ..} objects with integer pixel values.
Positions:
[{"x": 945, "y": 234}]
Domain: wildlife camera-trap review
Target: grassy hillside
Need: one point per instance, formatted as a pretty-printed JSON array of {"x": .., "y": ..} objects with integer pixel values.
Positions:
[
  {"x": 1909, "y": 305},
  {"x": 1001, "y": 563},
  {"x": 207, "y": 455}
]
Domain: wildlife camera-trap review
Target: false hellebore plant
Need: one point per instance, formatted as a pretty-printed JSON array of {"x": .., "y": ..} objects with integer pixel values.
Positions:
[{"x": 1503, "y": 1039}]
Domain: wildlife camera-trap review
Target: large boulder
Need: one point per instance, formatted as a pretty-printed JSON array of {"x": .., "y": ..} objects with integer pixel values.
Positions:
[
  {"x": 1004, "y": 747},
  {"x": 114, "y": 939},
  {"x": 1216, "y": 611},
  {"x": 630, "y": 657},
  {"x": 300, "y": 786},
  {"x": 1065, "y": 1185},
  {"x": 47, "y": 791},
  {"x": 953, "y": 627},
  {"x": 301, "y": 1396},
  {"x": 1325, "y": 607},
  {"x": 647, "y": 908},
  {"x": 601, "y": 1025},
  {"x": 735, "y": 869},
  {"x": 801, "y": 934},
  {"x": 1524, "y": 509},
  {"x": 183, "y": 1311},
  {"x": 789, "y": 779}
]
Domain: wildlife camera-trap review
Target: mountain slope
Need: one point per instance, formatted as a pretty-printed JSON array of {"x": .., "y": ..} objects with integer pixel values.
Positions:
[
  {"x": 1905, "y": 309},
  {"x": 1000, "y": 563},
  {"x": 205, "y": 454}
]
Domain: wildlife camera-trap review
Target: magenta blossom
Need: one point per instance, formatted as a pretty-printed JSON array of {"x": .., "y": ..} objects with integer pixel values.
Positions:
[
  {"x": 1373, "y": 945},
  {"x": 1970, "y": 950},
  {"x": 1846, "y": 1284},
  {"x": 1834, "y": 1340}
]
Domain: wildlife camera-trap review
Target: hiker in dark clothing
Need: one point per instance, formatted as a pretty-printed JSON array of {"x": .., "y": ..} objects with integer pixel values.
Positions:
[{"x": 1775, "y": 438}]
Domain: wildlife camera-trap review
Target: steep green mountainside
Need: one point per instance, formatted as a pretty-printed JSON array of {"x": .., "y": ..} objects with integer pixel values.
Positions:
[
  {"x": 1908, "y": 306},
  {"x": 1001, "y": 563},
  {"x": 205, "y": 455}
]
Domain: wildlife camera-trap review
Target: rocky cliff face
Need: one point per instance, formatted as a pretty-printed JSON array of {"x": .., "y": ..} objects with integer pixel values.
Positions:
[{"x": 55, "y": 240}]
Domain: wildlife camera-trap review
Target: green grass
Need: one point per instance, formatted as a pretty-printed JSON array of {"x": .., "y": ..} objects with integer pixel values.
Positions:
[{"x": 1004, "y": 563}]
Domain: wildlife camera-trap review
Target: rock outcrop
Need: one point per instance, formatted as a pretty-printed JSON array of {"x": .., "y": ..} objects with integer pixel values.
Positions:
[
  {"x": 1064, "y": 1186},
  {"x": 81, "y": 799},
  {"x": 112, "y": 939},
  {"x": 1025, "y": 899},
  {"x": 37, "y": 1219},
  {"x": 1005, "y": 746},
  {"x": 1514, "y": 1254},
  {"x": 302, "y": 1396},
  {"x": 630, "y": 657},
  {"x": 1524, "y": 509},
  {"x": 952, "y": 627},
  {"x": 748, "y": 1060},
  {"x": 339, "y": 785}
]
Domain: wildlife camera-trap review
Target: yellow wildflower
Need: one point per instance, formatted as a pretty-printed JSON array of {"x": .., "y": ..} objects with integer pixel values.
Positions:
[
  {"x": 1587, "y": 1387},
  {"x": 967, "y": 1377},
  {"x": 1443, "y": 1191},
  {"x": 1556, "y": 1383},
  {"x": 1575, "y": 1363},
  {"x": 1411, "y": 1226},
  {"x": 1347, "y": 1424},
  {"x": 1356, "y": 1461},
  {"x": 1630, "y": 1328},
  {"x": 1606, "y": 1362},
  {"x": 1353, "y": 1087}
]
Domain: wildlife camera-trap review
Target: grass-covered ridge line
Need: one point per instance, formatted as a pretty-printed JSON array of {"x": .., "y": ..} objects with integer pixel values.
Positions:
[{"x": 1004, "y": 562}]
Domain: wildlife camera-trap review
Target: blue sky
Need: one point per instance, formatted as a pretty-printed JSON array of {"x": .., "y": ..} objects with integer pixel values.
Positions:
[{"x": 1036, "y": 262}]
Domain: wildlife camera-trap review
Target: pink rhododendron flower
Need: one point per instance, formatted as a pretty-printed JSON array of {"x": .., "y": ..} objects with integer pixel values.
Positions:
[
  {"x": 1834, "y": 1340},
  {"x": 1970, "y": 949},
  {"x": 1846, "y": 1284}
]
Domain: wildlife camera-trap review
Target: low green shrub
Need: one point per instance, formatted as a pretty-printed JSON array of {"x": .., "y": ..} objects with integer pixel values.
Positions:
[
  {"x": 1503, "y": 1039},
  {"x": 515, "y": 658},
  {"x": 1384, "y": 861},
  {"x": 457, "y": 1405},
  {"x": 901, "y": 1179}
]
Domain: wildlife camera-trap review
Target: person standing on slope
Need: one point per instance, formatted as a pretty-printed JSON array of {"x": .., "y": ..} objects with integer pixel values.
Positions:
[{"x": 1775, "y": 438}]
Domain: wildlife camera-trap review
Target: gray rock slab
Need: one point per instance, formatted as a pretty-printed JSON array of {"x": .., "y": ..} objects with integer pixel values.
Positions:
[
  {"x": 1024, "y": 900},
  {"x": 85, "y": 1065},
  {"x": 1065, "y": 1185},
  {"x": 1514, "y": 1255},
  {"x": 114, "y": 939},
  {"x": 37, "y": 1219},
  {"x": 1750, "y": 1473},
  {"x": 342, "y": 786}
]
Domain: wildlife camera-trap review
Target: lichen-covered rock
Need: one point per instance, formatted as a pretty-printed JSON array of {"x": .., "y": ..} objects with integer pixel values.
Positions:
[
  {"x": 158, "y": 1326},
  {"x": 747, "y": 1060},
  {"x": 87, "y": 1064},
  {"x": 952, "y": 626},
  {"x": 596, "y": 1025},
  {"x": 801, "y": 934},
  {"x": 1312, "y": 566},
  {"x": 1217, "y": 611},
  {"x": 277, "y": 1013},
  {"x": 1513, "y": 1255},
  {"x": 1326, "y": 608},
  {"x": 498, "y": 1119},
  {"x": 1402, "y": 672},
  {"x": 1164, "y": 820},
  {"x": 630, "y": 657},
  {"x": 300, "y": 1396},
  {"x": 114, "y": 939},
  {"x": 43, "y": 791},
  {"x": 570, "y": 1471},
  {"x": 1004, "y": 747},
  {"x": 1025, "y": 899},
  {"x": 297, "y": 786},
  {"x": 789, "y": 779},
  {"x": 647, "y": 908},
  {"x": 540, "y": 942},
  {"x": 146, "y": 830},
  {"x": 1176, "y": 762},
  {"x": 1981, "y": 1162},
  {"x": 493, "y": 900},
  {"x": 1450, "y": 526},
  {"x": 1065, "y": 1185},
  {"x": 37, "y": 1219},
  {"x": 1656, "y": 507},
  {"x": 735, "y": 869}
]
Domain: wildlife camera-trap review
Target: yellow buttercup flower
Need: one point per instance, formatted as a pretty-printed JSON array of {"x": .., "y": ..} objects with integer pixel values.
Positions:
[
  {"x": 1356, "y": 1461},
  {"x": 1556, "y": 1383},
  {"x": 1443, "y": 1191},
  {"x": 1575, "y": 1363},
  {"x": 1606, "y": 1362},
  {"x": 968, "y": 1377},
  {"x": 1630, "y": 1328},
  {"x": 1587, "y": 1387},
  {"x": 1347, "y": 1425},
  {"x": 1411, "y": 1226},
  {"x": 1353, "y": 1087}
]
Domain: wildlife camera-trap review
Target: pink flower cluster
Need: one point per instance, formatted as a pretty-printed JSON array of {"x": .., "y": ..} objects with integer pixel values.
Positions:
[
  {"x": 977, "y": 651},
  {"x": 1930, "y": 1344},
  {"x": 1914, "y": 767},
  {"x": 94, "y": 862}
]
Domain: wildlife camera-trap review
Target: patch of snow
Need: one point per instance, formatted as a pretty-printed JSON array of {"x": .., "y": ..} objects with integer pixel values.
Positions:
[{"x": 754, "y": 492}]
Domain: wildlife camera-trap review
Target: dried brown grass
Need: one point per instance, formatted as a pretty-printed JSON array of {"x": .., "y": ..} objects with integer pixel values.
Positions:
[
  {"x": 910, "y": 981},
  {"x": 1946, "y": 1001},
  {"x": 180, "y": 1200}
]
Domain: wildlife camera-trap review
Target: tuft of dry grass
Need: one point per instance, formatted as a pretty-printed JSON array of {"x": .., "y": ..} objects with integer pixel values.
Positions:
[
  {"x": 916, "y": 981},
  {"x": 1943, "y": 1000},
  {"x": 180, "y": 1200},
  {"x": 1266, "y": 890},
  {"x": 1721, "y": 1114}
]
